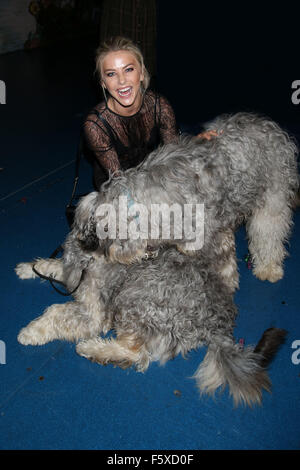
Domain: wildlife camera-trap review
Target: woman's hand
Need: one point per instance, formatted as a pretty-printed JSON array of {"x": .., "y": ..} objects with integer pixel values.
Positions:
[{"x": 208, "y": 135}]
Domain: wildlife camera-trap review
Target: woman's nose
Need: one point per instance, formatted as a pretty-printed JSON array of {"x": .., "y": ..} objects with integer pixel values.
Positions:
[{"x": 121, "y": 78}]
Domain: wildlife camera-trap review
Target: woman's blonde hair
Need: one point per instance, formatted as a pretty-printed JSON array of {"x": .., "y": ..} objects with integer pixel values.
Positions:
[{"x": 119, "y": 43}]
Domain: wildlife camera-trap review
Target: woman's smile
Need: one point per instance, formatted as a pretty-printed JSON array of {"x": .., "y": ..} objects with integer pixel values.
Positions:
[{"x": 125, "y": 92}]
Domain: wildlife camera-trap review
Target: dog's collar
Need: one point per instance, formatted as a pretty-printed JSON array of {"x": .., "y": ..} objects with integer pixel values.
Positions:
[{"x": 130, "y": 203}]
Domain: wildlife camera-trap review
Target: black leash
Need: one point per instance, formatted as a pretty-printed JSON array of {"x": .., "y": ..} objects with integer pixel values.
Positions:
[
  {"x": 52, "y": 280},
  {"x": 70, "y": 209}
]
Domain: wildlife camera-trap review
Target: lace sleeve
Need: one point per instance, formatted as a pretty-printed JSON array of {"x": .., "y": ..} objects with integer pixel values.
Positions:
[
  {"x": 168, "y": 127},
  {"x": 99, "y": 143}
]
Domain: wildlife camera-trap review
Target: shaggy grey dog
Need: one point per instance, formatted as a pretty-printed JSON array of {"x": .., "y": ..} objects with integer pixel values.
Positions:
[
  {"x": 174, "y": 303},
  {"x": 158, "y": 308},
  {"x": 248, "y": 173}
]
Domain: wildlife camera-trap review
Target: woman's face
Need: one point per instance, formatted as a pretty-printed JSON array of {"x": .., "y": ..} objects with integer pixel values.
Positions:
[{"x": 121, "y": 76}]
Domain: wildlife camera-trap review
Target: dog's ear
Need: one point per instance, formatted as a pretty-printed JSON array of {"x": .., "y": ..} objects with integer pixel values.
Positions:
[
  {"x": 85, "y": 210},
  {"x": 84, "y": 222},
  {"x": 88, "y": 239}
]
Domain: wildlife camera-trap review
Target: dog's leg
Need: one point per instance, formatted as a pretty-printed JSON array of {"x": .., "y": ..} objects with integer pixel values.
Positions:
[
  {"x": 226, "y": 259},
  {"x": 69, "y": 321},
  {"x": 124, "y": 351},
  {"x": 47, "y": 267},
  {"x": 268, "y": 229}
]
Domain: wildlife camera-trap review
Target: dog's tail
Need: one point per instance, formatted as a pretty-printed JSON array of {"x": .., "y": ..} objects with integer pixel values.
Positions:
[{"x": 242, "y": 369}]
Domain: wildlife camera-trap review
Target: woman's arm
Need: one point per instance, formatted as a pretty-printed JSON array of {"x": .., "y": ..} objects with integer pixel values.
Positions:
[
  {"x": 168, "y": 127},
  {"x": 99, "y": 143}
]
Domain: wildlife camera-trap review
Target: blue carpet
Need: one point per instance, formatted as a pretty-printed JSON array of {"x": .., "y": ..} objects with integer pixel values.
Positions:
[{"x": 50, "y": 398}]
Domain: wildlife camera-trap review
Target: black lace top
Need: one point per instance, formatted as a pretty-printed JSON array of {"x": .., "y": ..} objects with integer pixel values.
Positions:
[{"x": 121, "y": 142}]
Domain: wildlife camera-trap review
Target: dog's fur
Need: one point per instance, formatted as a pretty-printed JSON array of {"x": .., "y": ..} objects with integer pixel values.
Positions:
[
  {"x": 247, "y": 174},
  {"x": 174, "y": 303},
  {"x": 158, "y": 309}
]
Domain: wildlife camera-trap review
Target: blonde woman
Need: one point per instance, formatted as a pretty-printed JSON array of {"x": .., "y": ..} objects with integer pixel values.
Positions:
[{"x": 132, "y": 120}]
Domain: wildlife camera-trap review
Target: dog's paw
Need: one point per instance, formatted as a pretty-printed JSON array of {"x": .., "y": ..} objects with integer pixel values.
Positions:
[
  {"x": 25, "y": 337},
  {"x": 272, "y": 272},
  {"x": 104, "y": 352},
  {"x": 36, "y": 333},
  {"x": 88, "y": 348},
  {"x": 24, "y": 271}
]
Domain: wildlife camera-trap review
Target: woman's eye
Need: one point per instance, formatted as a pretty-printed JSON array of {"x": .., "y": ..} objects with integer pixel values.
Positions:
[
  {"x": 110, "y": 74},
  {"x": 130, "y": 69}
]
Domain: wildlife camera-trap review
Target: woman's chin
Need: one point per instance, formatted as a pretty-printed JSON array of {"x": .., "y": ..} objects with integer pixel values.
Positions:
[{"x": 129, "y": 102}]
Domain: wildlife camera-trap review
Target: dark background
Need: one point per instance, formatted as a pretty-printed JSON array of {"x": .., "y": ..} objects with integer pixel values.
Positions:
[
  {"x": 214, "y": 58},
  {"x": 210, "y": 57}
]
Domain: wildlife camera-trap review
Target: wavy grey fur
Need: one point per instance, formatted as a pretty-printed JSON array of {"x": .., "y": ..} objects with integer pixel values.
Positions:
[
  {"x": 158, "y": 309},
  {"x": 248, "y": 173},
  {"x": 175, "y": 303}
]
